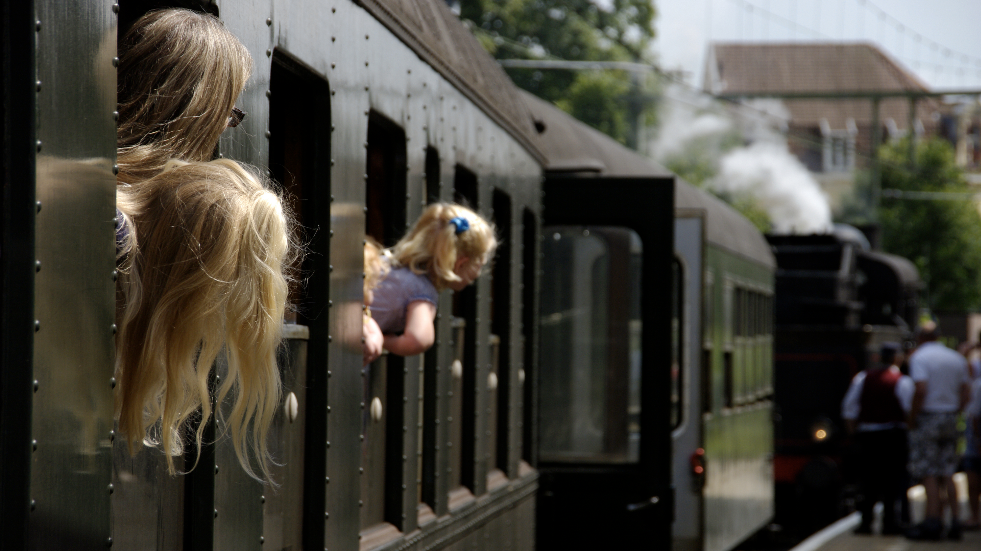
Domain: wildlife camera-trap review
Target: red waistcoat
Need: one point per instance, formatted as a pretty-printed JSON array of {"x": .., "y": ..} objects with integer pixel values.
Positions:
[{"x": 878, "y": 402}]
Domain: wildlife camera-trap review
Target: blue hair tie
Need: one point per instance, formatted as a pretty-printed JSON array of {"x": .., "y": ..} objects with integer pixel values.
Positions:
[{"x": 461, "y": 224}]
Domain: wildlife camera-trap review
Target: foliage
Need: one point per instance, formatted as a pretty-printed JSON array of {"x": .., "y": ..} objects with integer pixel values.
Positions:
[
  {"x": 942, "y": 237},
  {"x": 574, "y": 30}
]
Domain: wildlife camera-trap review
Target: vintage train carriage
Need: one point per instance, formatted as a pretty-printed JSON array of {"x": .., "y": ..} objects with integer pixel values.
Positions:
[
  {"x": 365, "y": 112},
  {"x": 837, "y": 302},
  {"x": 714, "y": 419}
]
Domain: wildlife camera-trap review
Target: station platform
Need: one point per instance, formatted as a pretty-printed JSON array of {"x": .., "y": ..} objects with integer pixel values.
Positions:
[{"x": 840, "y": 537}]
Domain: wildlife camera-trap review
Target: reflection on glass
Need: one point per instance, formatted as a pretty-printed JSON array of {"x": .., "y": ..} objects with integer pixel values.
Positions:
[{"x": 590, "y": 345}]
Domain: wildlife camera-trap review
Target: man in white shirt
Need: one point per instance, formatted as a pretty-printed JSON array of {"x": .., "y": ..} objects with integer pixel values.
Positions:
[
  {"x": 875, "y": 410},
  {"x": 942, "y": 378}
]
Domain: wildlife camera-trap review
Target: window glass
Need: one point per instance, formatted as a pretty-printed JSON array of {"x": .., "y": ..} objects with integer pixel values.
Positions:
[{"x": 591, "y": 345}]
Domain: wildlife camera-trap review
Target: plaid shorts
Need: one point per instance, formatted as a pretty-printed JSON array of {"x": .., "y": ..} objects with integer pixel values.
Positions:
[{"x": 933, "y": 445}]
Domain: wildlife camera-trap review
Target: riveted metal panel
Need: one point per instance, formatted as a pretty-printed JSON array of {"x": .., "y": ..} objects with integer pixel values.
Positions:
[{"x": 73, "y": 299}]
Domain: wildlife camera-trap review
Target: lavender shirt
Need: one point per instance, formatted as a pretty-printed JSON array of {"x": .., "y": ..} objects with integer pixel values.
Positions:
[{"x": 393, "y": 295}]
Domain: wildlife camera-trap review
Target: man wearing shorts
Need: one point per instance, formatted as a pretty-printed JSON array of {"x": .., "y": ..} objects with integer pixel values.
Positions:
[{"x": 941, "y": 378}]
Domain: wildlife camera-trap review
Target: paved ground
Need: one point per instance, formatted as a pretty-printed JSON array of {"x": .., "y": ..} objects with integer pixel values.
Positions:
[{"x": 839, "y": 536}]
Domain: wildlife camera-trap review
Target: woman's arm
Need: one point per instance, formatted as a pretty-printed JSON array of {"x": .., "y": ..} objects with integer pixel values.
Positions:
[{"x": 419, "y": 334}]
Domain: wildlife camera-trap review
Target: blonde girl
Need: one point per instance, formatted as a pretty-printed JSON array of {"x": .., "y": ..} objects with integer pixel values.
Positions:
[
  {"x": 446, "y": 248},
  {"x": 180, "y": 73},
  {"x": 204, "y": 270}
]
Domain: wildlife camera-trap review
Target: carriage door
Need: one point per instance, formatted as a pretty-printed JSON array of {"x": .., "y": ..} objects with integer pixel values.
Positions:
[{"x": 604, "y": 444}]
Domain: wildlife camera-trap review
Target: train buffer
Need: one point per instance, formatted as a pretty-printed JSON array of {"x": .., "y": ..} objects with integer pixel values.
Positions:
[{"x": 840, "y": 535}]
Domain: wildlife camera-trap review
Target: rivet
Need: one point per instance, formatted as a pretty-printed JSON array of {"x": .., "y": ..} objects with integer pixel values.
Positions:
[
  {"x": 36, "y": 385},
  {"x": 330, "y": 338},
  {"x": 326, "y": 515},
  {"x": 332, "y": 126},
  {"x": 332, "y": 162},
  {"x": 262, "y": 498},
  {"x": 269, "y": 22},
  {"x": 112, "y": 380},
  {"x": 37, "y": 26},
  {"x": 39, "y": 86},
  {"x": 111, "y": 489},
  {"x": 332, "y": 10},
  {"x": 268, "y": 134},
  {"x": 33, "y": 505},
  {"x": 365, "y": 63},
  {"x": 115, "y": 62},
  {"x": 333, "y": 38},
  {"x": 366, "y": 37},
  {"x": 39, "y": 206},
  {"x": 37, "y": 325},
  {"x": 39, "y": 145},
  {"x": 361, "y": 469},
  {"x": 115, "y": 115},
  {"x": 262, "y": 540},
  {"x": 115, "y": 169},
  {"x": 332, "y": 233},
  {"x": 109, "y": 542},
  {"x": 330, "y": 303},
  {"x": 115, "y": 8},
  {"x": 34, "y": 445},
  {"x": 332, "y": 92},
  {"x": 112, "y": 435},
  {"x": 216, "y": 513},
  {"x": 365, "y": 88},
  {"x": 114, "y": 329},
  {"x": 330, "y": 268},
  {"x": 37, "y": 265},
  {"x": 216, "y": 469},
  {"x": 333, "y": 65}
]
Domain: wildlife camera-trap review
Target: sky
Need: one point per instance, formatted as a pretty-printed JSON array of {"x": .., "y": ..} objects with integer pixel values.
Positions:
[{"x": 939, "y": 41}]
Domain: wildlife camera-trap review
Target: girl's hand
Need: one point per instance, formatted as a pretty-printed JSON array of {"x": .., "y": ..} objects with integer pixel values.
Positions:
[
  {"x": 419, "y": 334},
  {"x": 373, "y": 341}
]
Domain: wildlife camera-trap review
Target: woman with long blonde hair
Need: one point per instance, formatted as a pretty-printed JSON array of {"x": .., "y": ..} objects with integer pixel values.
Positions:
[
  {"x": 204, "y": 248},
  {"x": 203, "y": 272}
]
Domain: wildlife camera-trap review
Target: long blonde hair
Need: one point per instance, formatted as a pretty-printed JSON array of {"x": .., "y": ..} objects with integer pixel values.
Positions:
[
  {"x": 180, "y": 73},
  {"x": 433, "y": 244},
  {"x": 204, "y": 270}
]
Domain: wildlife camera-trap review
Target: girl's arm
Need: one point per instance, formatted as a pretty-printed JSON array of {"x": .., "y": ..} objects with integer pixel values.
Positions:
[
  {"x": 373, "y": 340},
  {"x": 419, "y": 334}
]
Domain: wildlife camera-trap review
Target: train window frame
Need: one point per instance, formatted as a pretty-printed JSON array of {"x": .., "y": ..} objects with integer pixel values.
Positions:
[{"x": 501, "y": 313}]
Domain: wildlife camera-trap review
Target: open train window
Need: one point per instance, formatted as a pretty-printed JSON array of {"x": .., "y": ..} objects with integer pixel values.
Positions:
[
  {"x": 464, "y": 308},
  {"x": 384, "y": 380},
  {"x": 426, "y": 442},
  {"x": 526, "y": 373},
  {"x": 299, "y": 159},
  {"x": 590, "y": 357},
  {"x": 499, "y": 378}
]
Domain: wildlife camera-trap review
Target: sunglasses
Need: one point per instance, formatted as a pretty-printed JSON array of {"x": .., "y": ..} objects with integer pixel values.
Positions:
[{"x": 236, "y": 117}]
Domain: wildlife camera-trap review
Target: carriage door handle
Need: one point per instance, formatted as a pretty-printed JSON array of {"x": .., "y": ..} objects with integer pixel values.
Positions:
[{"x": 643, "y": 504}]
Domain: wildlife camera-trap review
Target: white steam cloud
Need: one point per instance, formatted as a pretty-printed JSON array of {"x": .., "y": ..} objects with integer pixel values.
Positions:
[{"x": 765, "y": 169}]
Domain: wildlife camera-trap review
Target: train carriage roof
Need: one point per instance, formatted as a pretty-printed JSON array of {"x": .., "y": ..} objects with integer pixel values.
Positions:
[
  {"x": 573, "y": 147},
  {"x": 440, "y": 39}
]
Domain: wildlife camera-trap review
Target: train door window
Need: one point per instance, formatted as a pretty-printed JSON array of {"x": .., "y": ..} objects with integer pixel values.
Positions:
[
  {"x": 499, "y": 379},
  {"x": 528, "y": 331},
  {"x": 706, "y": 380},
  {"x": 591, "y": 348},
  {"x": 433, "y": 177},
  {"x": 384, "y": 379},
  {"x": 298, "y": 158},
  {"x": 677, "y": 343},
  {"x": 465, "y": 308}
]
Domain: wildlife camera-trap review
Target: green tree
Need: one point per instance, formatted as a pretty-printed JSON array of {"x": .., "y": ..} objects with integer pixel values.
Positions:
[
  {"x": 575, "y": 30},
  {"x": 941, "y": 236}
]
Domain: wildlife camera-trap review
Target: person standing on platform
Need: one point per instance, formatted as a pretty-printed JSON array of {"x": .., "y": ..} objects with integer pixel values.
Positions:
[
  {"x": 875, "y": 410},
  {"x": 942, "y": 386}
]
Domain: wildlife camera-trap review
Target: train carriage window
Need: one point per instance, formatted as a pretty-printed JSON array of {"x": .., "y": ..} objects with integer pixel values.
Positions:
[
  {"x": 677, "y": 343},
  {"x": 299, "y": 123},
  {"x": 529, "y": 327},
  {"x": 590, "y": 353},
  {"x": 500, "y": 376},
  {"x": 426, "y": 427},
  {"x": 463, "y": 427},
  {"x": 384, "y": 380}
]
